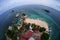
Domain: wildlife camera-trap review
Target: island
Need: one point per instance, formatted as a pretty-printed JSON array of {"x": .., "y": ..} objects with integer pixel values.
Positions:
[
  {"x": 25, "y": 28},
  {"x": 46, "y": 10}
]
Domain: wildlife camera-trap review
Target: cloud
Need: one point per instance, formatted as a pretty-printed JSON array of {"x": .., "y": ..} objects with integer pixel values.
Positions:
[{"x": 7, "y": 4}]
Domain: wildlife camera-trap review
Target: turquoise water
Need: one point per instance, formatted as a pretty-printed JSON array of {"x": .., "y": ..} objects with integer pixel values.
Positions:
[
  {"x": 39, "y": 14},
  {"x": 32, "y": 12}
]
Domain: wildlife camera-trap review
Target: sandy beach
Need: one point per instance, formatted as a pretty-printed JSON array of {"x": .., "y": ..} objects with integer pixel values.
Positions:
[{"x": 37, "y": 22}]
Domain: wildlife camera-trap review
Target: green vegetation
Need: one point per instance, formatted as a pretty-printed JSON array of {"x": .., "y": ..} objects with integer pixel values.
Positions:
[
  {"x": 21, "y": 29},
  {"x": 25, "y": 26},
  {"x": 34, "y": 26},
  {"x": 12, "y": 33},
  {"x": 42, "y": 29},
  {"x": 14, "y": 27},
  {"x": 9, "y": 33},
  {"x": 45, "y": 36}
]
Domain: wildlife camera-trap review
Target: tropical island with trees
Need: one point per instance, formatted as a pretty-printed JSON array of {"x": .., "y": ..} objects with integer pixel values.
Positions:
[{"x": 25, "y": 28}]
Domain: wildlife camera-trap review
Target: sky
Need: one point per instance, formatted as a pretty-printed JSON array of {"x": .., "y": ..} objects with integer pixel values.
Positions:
[{"x": 8, "y": 4}]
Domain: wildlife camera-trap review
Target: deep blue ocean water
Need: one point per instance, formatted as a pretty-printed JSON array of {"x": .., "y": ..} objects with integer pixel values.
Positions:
[{"x": 35, "y": 12}]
